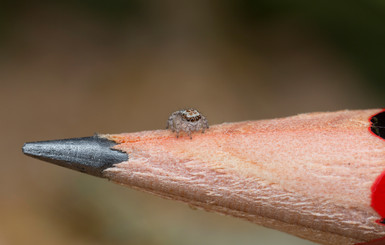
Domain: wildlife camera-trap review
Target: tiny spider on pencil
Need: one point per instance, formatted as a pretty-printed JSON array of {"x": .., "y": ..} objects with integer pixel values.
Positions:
[{"x": 187, "y": 121}]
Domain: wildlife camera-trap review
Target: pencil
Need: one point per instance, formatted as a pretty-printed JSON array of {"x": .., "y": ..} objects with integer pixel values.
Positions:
[{"x": 318, "y": 176}]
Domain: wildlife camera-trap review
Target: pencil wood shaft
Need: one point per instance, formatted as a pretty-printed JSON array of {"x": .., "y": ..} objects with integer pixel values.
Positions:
[{"x": 309, "y": 175}]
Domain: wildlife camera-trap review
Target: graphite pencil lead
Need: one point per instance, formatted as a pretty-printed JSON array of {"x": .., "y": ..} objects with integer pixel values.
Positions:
[{"x": 89, "y": 155}]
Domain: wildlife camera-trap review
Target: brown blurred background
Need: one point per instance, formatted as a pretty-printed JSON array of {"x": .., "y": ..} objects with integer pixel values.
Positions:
[{"x": 73, "y": 68}]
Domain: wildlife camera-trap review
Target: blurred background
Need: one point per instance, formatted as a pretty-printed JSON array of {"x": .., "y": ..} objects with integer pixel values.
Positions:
[{"x": 73, "y": 68}]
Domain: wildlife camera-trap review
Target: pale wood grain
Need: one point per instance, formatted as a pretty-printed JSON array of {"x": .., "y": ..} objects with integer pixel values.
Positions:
[{"x": 308, "y": 175}]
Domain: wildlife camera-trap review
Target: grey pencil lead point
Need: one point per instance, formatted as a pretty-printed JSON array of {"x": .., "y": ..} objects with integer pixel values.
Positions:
[{"x": 89, "y": 155}]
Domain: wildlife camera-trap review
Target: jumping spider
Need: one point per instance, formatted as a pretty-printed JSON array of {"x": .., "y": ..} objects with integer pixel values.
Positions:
[{"x": 188, "y": 121}]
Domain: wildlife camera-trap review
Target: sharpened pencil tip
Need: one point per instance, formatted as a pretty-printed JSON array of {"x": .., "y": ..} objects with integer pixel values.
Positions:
[{"x": 89, "y": 155}]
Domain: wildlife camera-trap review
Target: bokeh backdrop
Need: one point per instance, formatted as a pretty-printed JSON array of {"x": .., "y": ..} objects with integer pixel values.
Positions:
[{"x": 75, "y": 68}]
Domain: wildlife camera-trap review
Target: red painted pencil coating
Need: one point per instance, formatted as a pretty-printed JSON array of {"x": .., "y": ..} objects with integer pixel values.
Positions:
[
  {"x": 311, "y": 175},
  {"x": 378, "y": 193}
]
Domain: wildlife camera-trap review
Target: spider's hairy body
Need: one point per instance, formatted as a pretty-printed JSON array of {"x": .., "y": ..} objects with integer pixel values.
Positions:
[{"x": 188, "y": 121}]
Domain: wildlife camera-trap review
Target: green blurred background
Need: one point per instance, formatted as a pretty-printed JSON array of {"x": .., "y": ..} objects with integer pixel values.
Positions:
[{"x": 73, "y": 68}]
